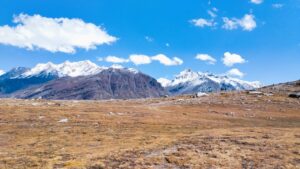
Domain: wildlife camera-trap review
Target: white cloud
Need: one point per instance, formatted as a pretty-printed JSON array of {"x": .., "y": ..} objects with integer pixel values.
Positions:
[
  {"x": 215, "y": 9},
  {"x": 1, "y": 72},
  {"x": 230, "y": 24},
  {"x": 277, "y": 6},
  {"x": 212, "y": 14},
  {"x": 163, "y": 59},
  {"x": 164, "y": 82},
  {"x": 203, "y": 22},
  {"x": 235, "y": 72},
  {"x": 116, "y": 66},
  {"x": 247, "y": 23},
  {"x": 149, "y": 39},
  {"x": 207, "y": 58},
  {"x": 115, "y": 59},
  {"x": 256, "y": 1},
  {"x": 53, "y": 34},
  {"x": 140, "y": 59},
  {"x": 231, "y": 58}
]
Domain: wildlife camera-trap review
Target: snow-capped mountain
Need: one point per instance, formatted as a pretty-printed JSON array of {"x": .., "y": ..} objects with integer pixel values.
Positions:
[
  {"x": 22, "y": 78},
  {"x": 164, "y": 82},
  {"x": 111, "y": 83},
  {"x": 189, "y": 82},
  {"x": 2, "y": 72},
  {"x": 72, "y": 69}
]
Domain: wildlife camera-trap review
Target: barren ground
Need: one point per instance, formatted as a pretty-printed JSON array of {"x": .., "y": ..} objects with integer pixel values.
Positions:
[{"x": 223, "y": 130}]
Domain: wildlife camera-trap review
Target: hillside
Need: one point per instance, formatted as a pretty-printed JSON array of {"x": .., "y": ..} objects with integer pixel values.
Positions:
[{"x": 108, "y": 84}]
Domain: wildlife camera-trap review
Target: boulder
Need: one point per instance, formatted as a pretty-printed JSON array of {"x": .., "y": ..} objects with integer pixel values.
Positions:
[{"x": 295, "y": 95}]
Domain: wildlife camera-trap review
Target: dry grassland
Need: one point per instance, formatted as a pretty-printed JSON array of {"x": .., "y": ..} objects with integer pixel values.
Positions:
[{"x": 223, "y": 130}]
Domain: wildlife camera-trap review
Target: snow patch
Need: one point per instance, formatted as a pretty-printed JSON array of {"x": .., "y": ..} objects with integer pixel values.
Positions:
[
  {"x": 164, "y": 82},
  {"x": 65, "y": 120},
  {"x": 2, "y": 72}
]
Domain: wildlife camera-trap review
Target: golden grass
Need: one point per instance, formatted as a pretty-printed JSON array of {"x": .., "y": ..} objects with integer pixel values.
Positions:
[{"x": 231, "y": 130}]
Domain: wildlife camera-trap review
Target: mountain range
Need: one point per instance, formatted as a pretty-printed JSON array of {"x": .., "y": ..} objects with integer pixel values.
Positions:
[
  {"x": 86, "y": 80},
  {"x": 189, "y": 82}
]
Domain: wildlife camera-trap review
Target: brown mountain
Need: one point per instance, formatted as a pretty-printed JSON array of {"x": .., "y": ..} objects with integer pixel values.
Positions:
[{"x": 108, "y": 84}]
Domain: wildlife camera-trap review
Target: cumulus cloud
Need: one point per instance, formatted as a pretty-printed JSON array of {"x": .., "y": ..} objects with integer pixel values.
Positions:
[
  {"x": 256, "y": 1},
  {"x": 207, "y": 58},
  {"x": 115, "y": 59},
  {"x": 201, "y": 22},
  {"x": 235, "y": 73},
  {"x": 277, "y": 6},
  {"x": 53, "y": 34},
  {"x": 230, "y": 24},
  {"x": 231, "y": 58},
  {"x": 140, "y": 59},
  {"x": 163, "y": 59},
  {"x": 247, "y": 23},
  {"x": 116, "y": 66},
  {"x": 1, "y": 72}
]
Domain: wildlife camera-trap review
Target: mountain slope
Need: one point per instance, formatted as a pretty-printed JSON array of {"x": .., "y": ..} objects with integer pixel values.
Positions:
[
  {"x": 21, "y": 78},
  {"x": 13, "y": 81},
  {"x": 110, "y": 83},
  {"x": 189, "y": 82},
  {"x": 283, "y": 88}
]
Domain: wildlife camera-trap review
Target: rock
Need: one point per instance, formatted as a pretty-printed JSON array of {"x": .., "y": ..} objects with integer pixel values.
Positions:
[
  {"x": 65, "y": 120},
  {"x": 35, "y": 104},
  {"x": 255, "y": 92},
  {"x": 268, "y": 94},
  {"x": 294, "y": 95},
  {"x": 200, "y": 94}
]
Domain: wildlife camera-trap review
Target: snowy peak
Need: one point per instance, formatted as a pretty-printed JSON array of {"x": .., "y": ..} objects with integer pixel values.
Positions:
[
  {"x": 187, "y": 74},
  {"x": 164, "y": 82},
  {"x": 14, "y": 73},
  {"x": 184, "y": 76},
  {"x": 1, "y": 72},
  {"x": 72, "y": 69},
  {"x": 187, "y": 82},
  {"x": 67, "y": 68}
]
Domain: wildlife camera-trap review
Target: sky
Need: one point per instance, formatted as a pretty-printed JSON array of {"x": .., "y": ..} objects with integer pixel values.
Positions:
[{"x": 248, "y": 39}]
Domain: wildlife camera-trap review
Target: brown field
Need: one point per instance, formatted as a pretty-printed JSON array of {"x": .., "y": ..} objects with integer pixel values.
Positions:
[{"x": 224, "y": 130}]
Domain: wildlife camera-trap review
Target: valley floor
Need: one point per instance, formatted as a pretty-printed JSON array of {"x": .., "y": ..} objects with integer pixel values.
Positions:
[{"x": 222, "y": 130}]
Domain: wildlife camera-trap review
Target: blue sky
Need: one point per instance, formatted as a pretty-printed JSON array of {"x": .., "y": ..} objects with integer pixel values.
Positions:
[{"x": 268, "y": 41}]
